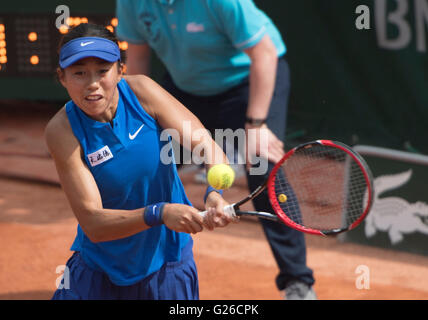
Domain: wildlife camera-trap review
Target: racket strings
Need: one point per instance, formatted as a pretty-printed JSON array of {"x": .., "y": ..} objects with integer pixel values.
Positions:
[{"x": 325, "y": 188}]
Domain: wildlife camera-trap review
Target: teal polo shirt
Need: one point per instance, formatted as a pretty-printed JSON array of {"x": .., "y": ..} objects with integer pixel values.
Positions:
[{"x": 200, "y": 42}]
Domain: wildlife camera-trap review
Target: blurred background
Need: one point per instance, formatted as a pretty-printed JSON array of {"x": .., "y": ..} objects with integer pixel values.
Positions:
[
  {"x": 358, "y": 86},
  {"x": 360, "y": 81}
]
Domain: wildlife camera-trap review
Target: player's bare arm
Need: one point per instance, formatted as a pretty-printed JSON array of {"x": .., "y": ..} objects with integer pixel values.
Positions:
[
  {"x": 101, "y": 224},
  {"x": 170, "y": 113}
]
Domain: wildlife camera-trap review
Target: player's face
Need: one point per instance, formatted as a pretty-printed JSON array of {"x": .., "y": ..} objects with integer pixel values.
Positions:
[{"x": 92, "y": 85}]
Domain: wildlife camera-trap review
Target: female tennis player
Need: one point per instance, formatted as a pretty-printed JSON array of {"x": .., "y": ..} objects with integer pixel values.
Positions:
[{"x": 133, "y": 238}]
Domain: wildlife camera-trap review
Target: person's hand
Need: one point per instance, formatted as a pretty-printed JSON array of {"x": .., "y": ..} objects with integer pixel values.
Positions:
[
  {"x": 215, "y": 216},
  {"x": 182, "y": 218},
  {"x": 261, "y": 141}
]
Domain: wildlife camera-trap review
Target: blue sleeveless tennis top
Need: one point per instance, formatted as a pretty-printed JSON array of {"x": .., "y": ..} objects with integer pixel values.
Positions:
[{"x": 124, "y": 159}]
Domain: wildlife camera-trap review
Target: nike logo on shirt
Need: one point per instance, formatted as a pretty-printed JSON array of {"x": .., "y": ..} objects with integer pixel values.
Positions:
[
  {"x": 133, "y": 136},
  {"x": 83, "y": 44}
]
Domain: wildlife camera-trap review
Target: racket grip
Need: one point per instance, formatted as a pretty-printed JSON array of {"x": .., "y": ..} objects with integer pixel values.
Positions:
[{"x": 229, "y": 210}]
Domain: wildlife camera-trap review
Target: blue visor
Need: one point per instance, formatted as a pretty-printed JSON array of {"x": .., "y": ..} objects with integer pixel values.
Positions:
[{"x": 85, "y": 47}]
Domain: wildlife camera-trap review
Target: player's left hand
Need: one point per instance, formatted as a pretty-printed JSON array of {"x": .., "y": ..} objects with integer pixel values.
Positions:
[{"x": 216, "y": 217}]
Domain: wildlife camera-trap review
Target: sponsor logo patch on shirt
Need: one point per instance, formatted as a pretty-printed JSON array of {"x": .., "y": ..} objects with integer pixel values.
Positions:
[
  {"x": 100, "y": 156},
  {"x": 195, "y": 27}
]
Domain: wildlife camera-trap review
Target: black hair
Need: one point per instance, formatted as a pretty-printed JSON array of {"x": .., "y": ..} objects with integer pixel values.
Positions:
[{"x": 90, "y": 30}]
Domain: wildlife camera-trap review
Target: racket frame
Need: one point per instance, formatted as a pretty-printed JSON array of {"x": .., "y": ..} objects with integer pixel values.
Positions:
[{"x": 281, "y": 214}]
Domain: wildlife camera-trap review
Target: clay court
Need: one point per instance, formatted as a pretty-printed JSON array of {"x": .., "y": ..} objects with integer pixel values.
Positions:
[{"x": 37, "y": 228}]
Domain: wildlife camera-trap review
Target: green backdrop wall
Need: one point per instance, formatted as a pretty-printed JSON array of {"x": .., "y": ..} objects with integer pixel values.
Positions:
[{"x": 358, "y": 86}]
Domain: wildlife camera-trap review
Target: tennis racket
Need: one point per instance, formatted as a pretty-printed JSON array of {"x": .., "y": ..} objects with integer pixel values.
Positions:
[{"x": 321, "y": 187}]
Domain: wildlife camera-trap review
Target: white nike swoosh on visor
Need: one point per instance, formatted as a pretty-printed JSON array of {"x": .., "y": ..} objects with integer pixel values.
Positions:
[
  {"x": 132, "y": 136},
  {"x": 85, "y": 43}
]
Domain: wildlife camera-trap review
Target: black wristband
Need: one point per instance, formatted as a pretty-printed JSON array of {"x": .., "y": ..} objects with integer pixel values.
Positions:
[{"x": 255, "y": 122}]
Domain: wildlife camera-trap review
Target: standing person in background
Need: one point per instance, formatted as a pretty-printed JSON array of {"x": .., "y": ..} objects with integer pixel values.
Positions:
[
  {"x": 225, "y": 62},
  {"x": 133, "y": 239}
]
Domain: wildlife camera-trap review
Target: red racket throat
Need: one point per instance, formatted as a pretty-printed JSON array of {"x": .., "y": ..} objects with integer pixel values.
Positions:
[{"x": 321, "y": 187}]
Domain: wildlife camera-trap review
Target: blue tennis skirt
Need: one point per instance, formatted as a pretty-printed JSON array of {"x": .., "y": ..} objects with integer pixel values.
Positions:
[{"x": 174, "y": 281}]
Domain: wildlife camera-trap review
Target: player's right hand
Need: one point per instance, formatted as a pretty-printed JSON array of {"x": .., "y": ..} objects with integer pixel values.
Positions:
[
  {"x": 182, "y": 218},
  {"x": 216, "y": 217}
]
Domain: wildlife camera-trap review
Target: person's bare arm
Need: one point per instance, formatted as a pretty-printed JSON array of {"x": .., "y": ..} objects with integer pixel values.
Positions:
[
  {"x": 101, "y": 224},
  {"x": 264, "y": 62},
  {"x": 138, "y": 59},
  {"x": 171, "y": 114}
]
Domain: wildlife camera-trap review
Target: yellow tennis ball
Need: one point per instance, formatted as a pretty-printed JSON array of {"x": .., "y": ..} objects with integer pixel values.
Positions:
[
  {"x": 221, "y": 176},
  {"x": 282, "y": 197}
]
